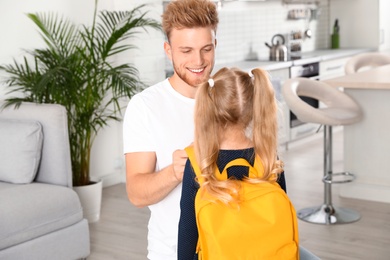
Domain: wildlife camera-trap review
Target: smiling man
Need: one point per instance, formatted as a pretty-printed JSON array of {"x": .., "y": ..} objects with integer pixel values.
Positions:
[
  {"x": 158, "y": 123},
  {"x": 192, "y": 54}
]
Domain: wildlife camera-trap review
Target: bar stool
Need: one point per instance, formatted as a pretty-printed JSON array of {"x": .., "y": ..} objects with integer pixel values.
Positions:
[
  {"x": 366, "y": 61},
  {"x": 337, "y": 108}
]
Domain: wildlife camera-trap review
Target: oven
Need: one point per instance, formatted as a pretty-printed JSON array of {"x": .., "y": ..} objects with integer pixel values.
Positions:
[{"x": 299, "y": 129}]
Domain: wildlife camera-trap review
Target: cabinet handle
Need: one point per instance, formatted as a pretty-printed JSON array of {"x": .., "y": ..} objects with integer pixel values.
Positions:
[{"x": 334, "y": 68}]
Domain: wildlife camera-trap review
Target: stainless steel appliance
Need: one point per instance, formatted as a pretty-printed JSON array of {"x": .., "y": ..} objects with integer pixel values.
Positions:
[
  {"x": 278, "y": 51},
  {"x": 298, "y": 128}
]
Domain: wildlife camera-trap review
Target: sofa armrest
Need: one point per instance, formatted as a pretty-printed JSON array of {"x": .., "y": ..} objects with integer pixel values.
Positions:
[{"x": 55, "y": 166}]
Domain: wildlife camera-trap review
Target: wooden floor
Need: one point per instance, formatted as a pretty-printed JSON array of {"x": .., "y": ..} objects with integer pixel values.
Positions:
[{"x": 121, "y": 231}]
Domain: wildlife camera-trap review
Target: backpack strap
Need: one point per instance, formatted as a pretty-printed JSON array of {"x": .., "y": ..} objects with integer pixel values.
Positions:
[
  {"x": 195, "y": 166},
  {"x": 254, "y": 171}
]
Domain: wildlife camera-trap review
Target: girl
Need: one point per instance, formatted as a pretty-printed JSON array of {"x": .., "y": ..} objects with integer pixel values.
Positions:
[{"x": 235, "y": 117}]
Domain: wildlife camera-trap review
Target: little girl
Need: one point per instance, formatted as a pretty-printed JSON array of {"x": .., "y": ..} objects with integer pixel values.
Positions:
[{"x": 235, "y": 117}]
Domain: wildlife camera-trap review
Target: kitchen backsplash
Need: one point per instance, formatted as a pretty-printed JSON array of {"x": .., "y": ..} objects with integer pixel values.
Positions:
[{"x": 245, "y": 27}]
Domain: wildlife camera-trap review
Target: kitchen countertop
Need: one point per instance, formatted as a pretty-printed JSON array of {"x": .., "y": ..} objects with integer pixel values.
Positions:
[
  {"x": 373, "y": 79},
  {"x": 307, "y": 57}
]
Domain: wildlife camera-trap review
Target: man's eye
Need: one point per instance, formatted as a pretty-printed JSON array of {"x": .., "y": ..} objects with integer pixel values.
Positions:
[
  {"x": 207, "y": 50},
  {"x": 186, "y": 51}
]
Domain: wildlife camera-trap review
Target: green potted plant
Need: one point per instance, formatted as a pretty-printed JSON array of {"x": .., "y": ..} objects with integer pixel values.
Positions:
[{"x": 76, "y": 69}]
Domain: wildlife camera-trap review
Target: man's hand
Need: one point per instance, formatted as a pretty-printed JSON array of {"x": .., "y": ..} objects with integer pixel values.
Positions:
[
  {"x": 179, "y": 159},
  {"x": 146, "y": 187}
]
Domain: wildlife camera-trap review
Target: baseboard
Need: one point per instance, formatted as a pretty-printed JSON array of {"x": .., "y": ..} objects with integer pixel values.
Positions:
[{"x": 366, "y": 191}]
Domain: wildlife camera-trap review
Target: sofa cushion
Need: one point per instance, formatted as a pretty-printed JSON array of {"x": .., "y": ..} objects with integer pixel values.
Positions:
[
  {"x": 20, "y": 150},
  {"x": 32, "y": 210}
]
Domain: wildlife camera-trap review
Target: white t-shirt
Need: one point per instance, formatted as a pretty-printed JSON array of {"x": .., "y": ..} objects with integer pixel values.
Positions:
[{"x": 159, "y": 119}]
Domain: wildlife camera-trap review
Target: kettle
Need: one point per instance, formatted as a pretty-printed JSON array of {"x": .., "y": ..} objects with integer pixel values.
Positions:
[{"x": 278, "y": 51}]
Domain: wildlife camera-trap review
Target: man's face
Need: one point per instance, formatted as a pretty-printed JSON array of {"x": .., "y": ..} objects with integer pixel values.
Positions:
[{"x": 192, "y": 53}]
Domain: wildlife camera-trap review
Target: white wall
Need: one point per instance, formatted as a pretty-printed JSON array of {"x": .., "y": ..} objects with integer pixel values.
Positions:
[
  {"x": 242, "y": 24},
  {"x": 366, "y": 23}
]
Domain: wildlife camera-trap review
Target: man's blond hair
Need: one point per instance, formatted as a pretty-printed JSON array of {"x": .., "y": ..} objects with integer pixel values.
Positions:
[{"x": 180, "y": 14}]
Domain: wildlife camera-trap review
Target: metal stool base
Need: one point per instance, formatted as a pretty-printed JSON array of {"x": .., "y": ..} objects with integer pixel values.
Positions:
[
  {"x": 339, "y": 177},
  {"x": 328, "y": 215}
]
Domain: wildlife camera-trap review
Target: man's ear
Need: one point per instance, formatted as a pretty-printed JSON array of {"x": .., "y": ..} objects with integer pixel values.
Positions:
[{"x": 168, "y": 50}]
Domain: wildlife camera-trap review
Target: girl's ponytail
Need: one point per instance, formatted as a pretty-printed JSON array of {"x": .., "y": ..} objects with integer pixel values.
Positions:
[{"x": 265, "y": 124}]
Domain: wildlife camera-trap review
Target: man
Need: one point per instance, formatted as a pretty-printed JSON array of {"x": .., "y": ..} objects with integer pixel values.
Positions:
[{"x": 159, "y": 122}]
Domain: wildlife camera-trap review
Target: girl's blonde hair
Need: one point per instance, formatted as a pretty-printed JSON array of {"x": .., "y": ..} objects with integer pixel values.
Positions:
[{"x": 236, "y": 98}]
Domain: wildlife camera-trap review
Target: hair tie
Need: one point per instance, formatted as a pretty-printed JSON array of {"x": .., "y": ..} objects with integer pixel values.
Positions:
[
  {"x": 250, "y": 74},
  {"x": 211, "y": 82}
]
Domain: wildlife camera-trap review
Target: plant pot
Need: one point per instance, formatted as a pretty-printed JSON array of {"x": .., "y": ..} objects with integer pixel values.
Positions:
[{"x": 91, "y": 200}]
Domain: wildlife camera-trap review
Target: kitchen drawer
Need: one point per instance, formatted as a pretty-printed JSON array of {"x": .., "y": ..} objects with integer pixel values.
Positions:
[
  {"x": 281, "y": 74},
  {"x": 277, "y": 78},
  {"x": 332, "y": 68}
]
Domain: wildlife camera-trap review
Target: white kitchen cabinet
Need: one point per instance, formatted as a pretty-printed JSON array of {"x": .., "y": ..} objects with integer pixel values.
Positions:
[
  {"x": 332, "y": 68},
  {"x": 363, "y": 23},
  {"x": 283, "y": 123},
  {"x": 277, "y": 78},
  {"x": 282, "y": 74}
]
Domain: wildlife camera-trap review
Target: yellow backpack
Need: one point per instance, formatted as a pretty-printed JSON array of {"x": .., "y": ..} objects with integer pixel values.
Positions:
[{"x": 264, "y": 226}]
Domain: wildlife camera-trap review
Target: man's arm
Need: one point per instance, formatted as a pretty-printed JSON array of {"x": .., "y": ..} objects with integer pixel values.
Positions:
[{"x": 145, "y": 186}]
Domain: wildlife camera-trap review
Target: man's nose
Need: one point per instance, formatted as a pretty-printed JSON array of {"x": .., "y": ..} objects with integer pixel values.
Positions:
[{"x": 198, "y": 58}]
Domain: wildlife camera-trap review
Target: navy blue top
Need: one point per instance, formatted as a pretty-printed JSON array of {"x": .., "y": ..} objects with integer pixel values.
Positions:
[{"x": 188, "y": 231}]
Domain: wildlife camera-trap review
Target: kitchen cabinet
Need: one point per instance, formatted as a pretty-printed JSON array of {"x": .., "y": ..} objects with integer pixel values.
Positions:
[
  {"x": 332, "y": 68},
  {"x": 283, "y": 123},
  {"x": 277, "y": 77},
  {"x": 363, "y": 23}
]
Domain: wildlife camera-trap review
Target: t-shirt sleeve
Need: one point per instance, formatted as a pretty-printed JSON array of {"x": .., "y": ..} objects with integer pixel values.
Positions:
[
  {"x": 137, "y": 127},
  {"x": 188, "y": 231}
]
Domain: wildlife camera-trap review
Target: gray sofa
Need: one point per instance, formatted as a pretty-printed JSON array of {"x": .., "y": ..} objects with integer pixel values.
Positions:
[{"x": 40, "y": 214}]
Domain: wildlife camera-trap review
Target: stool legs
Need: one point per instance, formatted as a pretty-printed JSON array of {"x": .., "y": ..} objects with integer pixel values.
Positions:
[{"x": 327, "y": 213}]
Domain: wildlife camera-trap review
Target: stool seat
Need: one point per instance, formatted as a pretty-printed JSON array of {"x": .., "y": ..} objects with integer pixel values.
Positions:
[
  {"x": 366, "y": 61},
  {"x": 336, "y": 108},
  {"x": 339, "y": 108}
]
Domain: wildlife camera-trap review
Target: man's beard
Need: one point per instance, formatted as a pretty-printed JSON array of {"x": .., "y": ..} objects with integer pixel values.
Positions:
[{"x": 192, "y": 82}]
